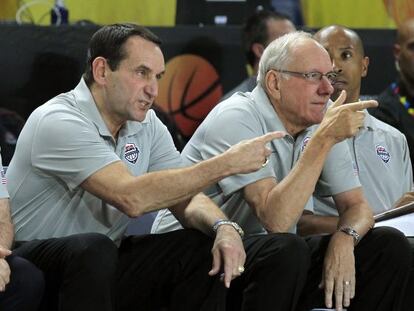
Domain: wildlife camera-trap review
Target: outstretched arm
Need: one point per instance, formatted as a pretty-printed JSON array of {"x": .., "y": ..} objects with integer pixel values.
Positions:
[{"x": 137, "y": 195}]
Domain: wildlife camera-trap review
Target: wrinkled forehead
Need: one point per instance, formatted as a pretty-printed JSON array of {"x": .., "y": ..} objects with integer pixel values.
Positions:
[{"x": 310, "y": 55}]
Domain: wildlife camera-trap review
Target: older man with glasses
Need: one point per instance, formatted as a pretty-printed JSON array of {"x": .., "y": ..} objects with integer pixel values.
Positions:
[{"x": 356, "y": 267}]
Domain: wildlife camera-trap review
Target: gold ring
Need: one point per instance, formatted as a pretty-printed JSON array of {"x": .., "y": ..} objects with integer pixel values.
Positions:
[
  {"x": 241, "y": 269},
  {"x": 265, "y": 162}
]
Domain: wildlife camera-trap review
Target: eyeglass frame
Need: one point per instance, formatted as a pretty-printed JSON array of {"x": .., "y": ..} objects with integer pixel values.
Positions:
[{"x": 305, "y": 75}]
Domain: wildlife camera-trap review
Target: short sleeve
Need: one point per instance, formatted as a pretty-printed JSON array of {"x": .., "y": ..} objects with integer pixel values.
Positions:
[
  {"x": 338, "y": 173},
  {"x": 68, "y": 146},
  {"x": 164, "y": 154},
  {"x": 3, "y": 182},
  {"x": 228, "y": 128}
]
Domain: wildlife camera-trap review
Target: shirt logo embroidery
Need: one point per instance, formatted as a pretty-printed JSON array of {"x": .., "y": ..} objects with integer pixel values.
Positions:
[
  {"x": 131, "y": 153},
  {"x": 304, "y": 143},
  {"x": 3, "y": 177},
  {"x": 383, "y": 154}
]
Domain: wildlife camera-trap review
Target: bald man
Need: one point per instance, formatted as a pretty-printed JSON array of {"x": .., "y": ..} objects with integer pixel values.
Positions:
[
  {"x": 378, "y": 149},
  {"x": 396, "y": 102}
]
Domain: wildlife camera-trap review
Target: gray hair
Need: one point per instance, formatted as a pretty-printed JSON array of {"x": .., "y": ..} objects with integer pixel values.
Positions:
[{"x": 278, "y": 53}]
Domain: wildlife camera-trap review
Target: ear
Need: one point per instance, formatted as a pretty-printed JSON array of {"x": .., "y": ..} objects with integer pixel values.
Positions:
[
  {"x": 365, "y": 63},
  {"x": 258, "y": 49},
  {"x": 272, "y": 80},
  {"x": 396, "y": 50},
  {"x": 99, "y": 70}
]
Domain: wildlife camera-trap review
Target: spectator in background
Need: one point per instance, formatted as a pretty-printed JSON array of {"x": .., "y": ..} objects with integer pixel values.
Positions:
[
  {"x": 396, "y": 102},
  {"x": 379, "y": 152},
  {"x": 21, "y": 283},
  {"x": 260, "y": 29},
  {"x": 291, "y": 8},
  {"x": 294, "y": 86}
]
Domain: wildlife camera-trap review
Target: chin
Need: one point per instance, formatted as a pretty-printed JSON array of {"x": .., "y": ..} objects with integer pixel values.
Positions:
[{"x": 140, "y": 117}]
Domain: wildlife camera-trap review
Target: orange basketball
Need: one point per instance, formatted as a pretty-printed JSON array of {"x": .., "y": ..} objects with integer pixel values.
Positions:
[{"x": 188, "y": 91}]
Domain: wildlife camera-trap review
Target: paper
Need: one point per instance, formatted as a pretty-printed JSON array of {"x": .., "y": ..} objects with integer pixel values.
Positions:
[
  {"x": 404, "y": 223},
  {"x": 395, "y": 212}
]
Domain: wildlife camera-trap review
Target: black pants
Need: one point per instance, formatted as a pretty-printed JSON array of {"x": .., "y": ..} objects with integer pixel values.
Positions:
[
  {"x": 382, "y": 260},
  {"x": 87, "y": 272},
  {"x": 408, "y": 304},
  {"x": 25, "y": 289}
]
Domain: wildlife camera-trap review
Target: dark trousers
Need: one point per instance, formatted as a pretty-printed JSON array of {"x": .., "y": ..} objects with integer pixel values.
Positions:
[
  {"x": 382, "y": 260},
  {"x": 276, "y": 269},
  {"x": 408, "y": 304},
  {"x": 87, "y": 272},
  {"x": 25, "y": 289}
]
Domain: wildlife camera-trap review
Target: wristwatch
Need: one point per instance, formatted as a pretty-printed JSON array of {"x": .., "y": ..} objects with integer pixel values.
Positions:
[
  {"x": 350, "y": 231},
  {"x": 222, "y": 222}
]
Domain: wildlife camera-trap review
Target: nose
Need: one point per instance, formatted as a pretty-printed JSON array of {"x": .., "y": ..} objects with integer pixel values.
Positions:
[
  {"x": 336, "y": 66},
  {"x": 152, "y": 88},
  {"x": 325, "y": 87}
]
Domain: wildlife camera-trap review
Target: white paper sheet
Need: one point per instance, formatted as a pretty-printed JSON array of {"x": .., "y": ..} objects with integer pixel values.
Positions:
[{"x": 404, "y": 223}]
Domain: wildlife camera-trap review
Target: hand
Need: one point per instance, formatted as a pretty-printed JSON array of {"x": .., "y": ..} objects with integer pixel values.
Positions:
[
  {"x": 228, "y": 251},
  {"x": 250, "y": 155},
  {"x": 338, "y": 276},
  {"x": 4, "y": 252},
  {"x": 342, "y": 121},
  {"x": 4, "y": 274}
]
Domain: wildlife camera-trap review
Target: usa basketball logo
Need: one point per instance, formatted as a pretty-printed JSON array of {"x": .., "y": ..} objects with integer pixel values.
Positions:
[
  {"x": 304, "y": 143},
  {"x": 131, "y": 153},
  {"x": 382, "y": 153},
  {"x": 3, "y": 177}
]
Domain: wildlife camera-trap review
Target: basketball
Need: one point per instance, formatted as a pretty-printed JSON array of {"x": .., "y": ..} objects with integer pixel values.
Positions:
[{"x": 188, "y": 91}]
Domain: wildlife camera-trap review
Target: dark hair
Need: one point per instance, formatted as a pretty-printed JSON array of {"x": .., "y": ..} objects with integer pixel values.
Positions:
[
  {"x": 255, "y": 31},
  {"x": 108, "y": 42}
]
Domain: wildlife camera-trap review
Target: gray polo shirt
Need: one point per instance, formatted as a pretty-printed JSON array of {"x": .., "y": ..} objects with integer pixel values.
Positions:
[
  {"x": 245, "y": 116},
  {"x": 247, "y": 85},
  {"x": 382, "y": 160},
  {"x": 64, "y": 142},
  {"x": 3, "y": 183}
]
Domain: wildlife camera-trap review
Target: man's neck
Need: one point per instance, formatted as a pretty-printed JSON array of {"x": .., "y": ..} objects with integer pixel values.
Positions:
[
  {"x": 292, "y": 128},
  {"x": 107, "y": 116}
]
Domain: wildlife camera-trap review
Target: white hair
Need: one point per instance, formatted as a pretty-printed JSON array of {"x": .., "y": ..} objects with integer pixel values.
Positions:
[{"x": 278, "y": 53}]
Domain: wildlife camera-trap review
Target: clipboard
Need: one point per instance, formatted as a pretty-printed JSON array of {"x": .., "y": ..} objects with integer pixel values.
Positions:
[{"x": 395, "y": 212}]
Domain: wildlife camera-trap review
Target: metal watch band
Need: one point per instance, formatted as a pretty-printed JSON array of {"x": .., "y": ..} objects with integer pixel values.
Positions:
[
  {"x": 350, "y": 231},
  {"x": 222, "y": 222}
]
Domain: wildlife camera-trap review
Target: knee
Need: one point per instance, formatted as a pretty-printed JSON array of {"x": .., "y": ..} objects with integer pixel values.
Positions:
[
  {"x": 287, "y": 249},
  {"x": 93, "y": 251},
  {"x": 26, "y": 281},
  {"x": 392, "y": 242}
]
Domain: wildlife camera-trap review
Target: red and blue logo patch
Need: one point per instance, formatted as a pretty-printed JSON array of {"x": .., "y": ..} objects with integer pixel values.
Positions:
[
  {"x": 382, "y": 153},
  {"x": 131, "y": 153}
]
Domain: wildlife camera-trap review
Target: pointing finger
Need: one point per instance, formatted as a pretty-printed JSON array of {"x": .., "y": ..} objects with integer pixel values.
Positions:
[
  {"x": 272, "y": 136},
  {"x": 362, "y": 105}
]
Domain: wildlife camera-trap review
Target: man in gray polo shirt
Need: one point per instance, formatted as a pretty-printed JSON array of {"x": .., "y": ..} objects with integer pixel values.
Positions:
[
  {"x": 379, "y": 152},
  {"x": 89, "y": 159},
  {"x": 294, "y": 85}
]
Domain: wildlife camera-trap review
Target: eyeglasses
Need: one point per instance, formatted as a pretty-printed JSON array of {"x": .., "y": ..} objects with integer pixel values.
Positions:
[{"x": 312, "y": 76}]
